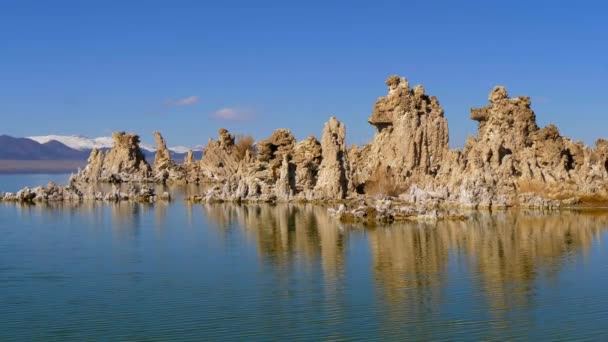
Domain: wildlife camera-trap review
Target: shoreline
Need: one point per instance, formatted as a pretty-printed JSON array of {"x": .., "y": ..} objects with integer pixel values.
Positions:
[
  {"x": 407, "y": 170},
  {"x": 363, "y": 210}
]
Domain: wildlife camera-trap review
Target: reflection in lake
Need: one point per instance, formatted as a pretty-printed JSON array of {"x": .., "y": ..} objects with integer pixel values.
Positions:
[
  {"x": 505, "y": 254},
  {"x": 225, "y": 271}
]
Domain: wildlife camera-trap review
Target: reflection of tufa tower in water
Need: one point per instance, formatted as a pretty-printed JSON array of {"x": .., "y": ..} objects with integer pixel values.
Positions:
[
  {"x": 288, "y": 233},
  {"x": 497, "y": 256},
  {"x": 507, "y": 251}
]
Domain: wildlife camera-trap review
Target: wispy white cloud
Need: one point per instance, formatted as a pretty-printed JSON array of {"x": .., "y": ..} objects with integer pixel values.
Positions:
[
  {"x": 186, "y": 101},
  {"x": 233, "y": 114}
]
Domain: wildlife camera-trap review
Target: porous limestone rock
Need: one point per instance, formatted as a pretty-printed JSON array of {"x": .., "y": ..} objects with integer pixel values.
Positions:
[
  {"x": 74, "y": 192},
  {"x": 411, "y": 140},
  {"x": 162, "y": 158},
  {"x": 220, "y": 158},
  {"x": 306, "y": 158},
  {"x": 333, "y": 182},
  {"x": 164, "y": 168},
  {"x": 125, "y": 162},
  {"x": 511, "y": 156},
  {"x": 281, "y": 142},
  {"x": 189, "y": 158},
  {"x": 511, "y": 161},
  {"x": 286, "y": 181}
]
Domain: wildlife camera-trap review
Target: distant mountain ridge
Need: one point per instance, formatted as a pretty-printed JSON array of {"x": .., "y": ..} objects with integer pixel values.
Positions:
[
  {"x": 28, "y": 149},
  {"x": 79, "y": 142},
  {"x": 56, "y": 147}
]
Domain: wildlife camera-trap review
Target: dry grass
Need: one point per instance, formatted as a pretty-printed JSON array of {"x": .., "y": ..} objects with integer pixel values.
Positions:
[
  {"x": 384, "y": 182},
  {"x": 592, "y": 199},
  {"x": 560, "y": 191},
  {"x": 554, "y": 191},
  {"x": 527, "y": 186},
  {"x": 243, "y": 144}
]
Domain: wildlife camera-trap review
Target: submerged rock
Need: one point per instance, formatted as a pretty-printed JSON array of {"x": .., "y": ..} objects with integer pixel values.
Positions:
[
  {"x": 388, "y": 211},
  {"x": 71, "y": 192}
]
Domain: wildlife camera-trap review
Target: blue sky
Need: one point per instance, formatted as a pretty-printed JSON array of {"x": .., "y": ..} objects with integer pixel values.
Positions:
[{"x": 189, "y": 67}]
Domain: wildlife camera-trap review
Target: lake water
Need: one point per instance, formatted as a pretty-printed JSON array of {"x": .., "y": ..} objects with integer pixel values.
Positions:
[
  {"x": 178, "y": 271},
  {"x": 16, "y": 182}
]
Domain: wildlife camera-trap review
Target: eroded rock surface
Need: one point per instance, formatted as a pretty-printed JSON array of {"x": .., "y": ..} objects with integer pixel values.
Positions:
[
  {"x": 511, "y": 161},
  {"x": 514, "y": 162},
  {"x": 164, "y": 168},
  {"x": 162, "y": 158},
  {"x": 75, "y": 192},
  {"x": 333, "y": 182},
  {"x": 220, "y": 158},
  {"x": 411, "y": 140},
  {"x": 125, "y": 162}
]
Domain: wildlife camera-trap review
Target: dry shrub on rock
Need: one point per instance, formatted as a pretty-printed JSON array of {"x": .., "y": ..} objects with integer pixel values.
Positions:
[{"x": 243, "y": 144}]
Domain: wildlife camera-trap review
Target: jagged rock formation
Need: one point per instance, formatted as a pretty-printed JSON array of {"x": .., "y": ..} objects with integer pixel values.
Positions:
[
  {"x": 220, "y": 158},
  {"x": 285, "y": 170},
  {"x": 307, "y": 156},
  {"x": 284, "y": 185},
  {"x": 162, "y": 158},
  {"x": 333, "y": 182},
  {"x": 125, "y": 162},
  {"x": 268, "y": 176},
  {"x": 74, "y": 192},
  {"x": 510, "y": 162},
  {"x": 189, "y": 158},
  {"x": 411, "y": 141},
  {"x": 164, "y": 168},
  {"x": 280, "y": 143}
]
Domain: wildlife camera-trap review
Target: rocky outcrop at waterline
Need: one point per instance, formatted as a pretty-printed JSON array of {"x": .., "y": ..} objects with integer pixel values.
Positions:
[
  {"x": 377, "y": 211},
  {"x": 125, "y": 162},
  {"x": 76, "y": 193},
  {"x": 510, "y": 162}
]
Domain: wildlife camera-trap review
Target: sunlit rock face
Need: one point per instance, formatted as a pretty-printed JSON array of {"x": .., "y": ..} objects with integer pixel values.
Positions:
[
  {"x": 125, "y": 162},
  {"x": 220, "y": 159},
  {"x": 411, "y": 140},
  {"x": 511, "y": 161},
  {"x": 333, "y": 182},
  {"x": 306, "y": 157},
  {"x": 164, "y": 168},
  {"x": 162, "y": 158},
  {"x": 285, "y": 169}
]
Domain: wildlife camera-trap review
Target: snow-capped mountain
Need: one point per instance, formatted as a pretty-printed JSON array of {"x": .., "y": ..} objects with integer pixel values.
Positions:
[
  {"x": 79, "y": 142},
  {"x": 76, "y": 142}
]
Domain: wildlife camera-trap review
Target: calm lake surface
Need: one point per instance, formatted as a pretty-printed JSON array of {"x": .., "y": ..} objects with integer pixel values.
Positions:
[
  {"x": 178, "y": 271},
  {"x": 16, "y": 182}
]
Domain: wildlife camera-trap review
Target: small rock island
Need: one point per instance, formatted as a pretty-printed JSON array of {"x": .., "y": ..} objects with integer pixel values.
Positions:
[{"x": 407, "y": 171}]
